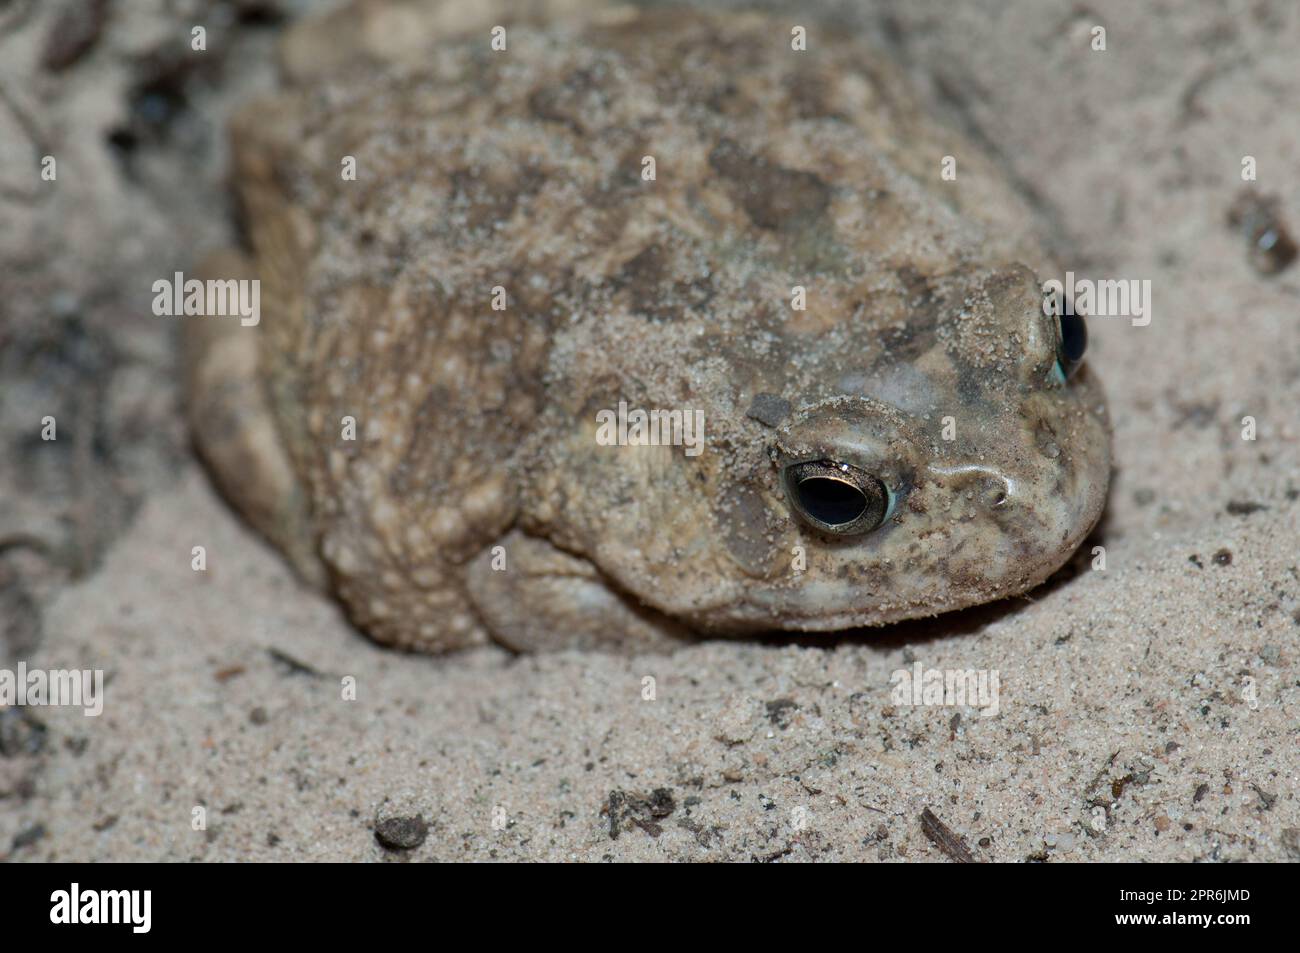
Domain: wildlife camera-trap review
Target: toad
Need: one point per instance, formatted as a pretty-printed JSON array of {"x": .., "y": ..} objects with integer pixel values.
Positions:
[{"x": 473, "y": 259}]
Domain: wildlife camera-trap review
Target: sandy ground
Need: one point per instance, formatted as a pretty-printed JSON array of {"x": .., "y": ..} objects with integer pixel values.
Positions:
[{"x": 1150, "y": 711}]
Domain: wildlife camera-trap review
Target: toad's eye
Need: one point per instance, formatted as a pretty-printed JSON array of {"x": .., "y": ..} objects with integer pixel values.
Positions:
[
  {"x": 1071, "y": 343},
  {"x": 837, "y": 498}
]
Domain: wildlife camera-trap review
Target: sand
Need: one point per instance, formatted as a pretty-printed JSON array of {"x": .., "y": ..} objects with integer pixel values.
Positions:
[{"x": 1147, "y": 711}]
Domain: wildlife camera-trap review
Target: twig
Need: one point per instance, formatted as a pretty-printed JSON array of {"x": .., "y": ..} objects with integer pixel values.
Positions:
[{"x": 942, "y": 837}]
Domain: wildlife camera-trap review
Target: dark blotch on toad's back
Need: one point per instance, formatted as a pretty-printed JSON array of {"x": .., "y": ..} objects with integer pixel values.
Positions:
[{"x": 774, "y": 197}]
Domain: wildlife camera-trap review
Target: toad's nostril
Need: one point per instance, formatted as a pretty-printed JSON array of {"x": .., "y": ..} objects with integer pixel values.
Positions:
[
  {"x": 978, "y": 483},
  {"x": 997, "y": 492}
]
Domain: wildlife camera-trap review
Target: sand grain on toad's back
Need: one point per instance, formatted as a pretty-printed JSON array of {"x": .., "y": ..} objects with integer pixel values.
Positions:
[{"x": 918, "y": 392}]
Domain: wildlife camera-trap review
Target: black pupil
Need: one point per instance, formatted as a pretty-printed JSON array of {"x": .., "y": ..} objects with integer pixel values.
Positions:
[
  {"x": 833, "y": 502},
  {"x": 1074, "y": 337}
]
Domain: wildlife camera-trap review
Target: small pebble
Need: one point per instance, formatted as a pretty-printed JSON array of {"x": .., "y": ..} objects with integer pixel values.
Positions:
[
  {"x": 768, "y": 409},
  {"x": 25, "y": 838},
  {"x": 401, "y": 833},
  {"x": 21, "y": 732}
]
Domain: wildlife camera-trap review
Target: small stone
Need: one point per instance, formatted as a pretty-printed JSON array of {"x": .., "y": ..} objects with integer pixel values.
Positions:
[
  {"x": 768, "y": 409},
  {"x": 21, "y": 732},
  {"x": 781, "y": 711},
  {"x": 401, "y": 833},
  {"x": 1223, "y": 557},
  {"x": 29, "y": 836},
  {"x": 1162, "y": 823},
  {"x": 1258, "y": 217},
  {"x": 661, "y": 802}
]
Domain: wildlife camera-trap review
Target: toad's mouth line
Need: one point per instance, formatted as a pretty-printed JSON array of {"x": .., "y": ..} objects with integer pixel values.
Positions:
[{"x": 771, "y": 603}]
